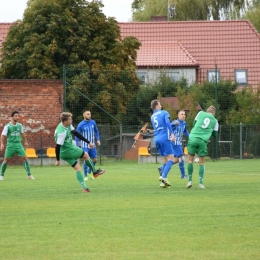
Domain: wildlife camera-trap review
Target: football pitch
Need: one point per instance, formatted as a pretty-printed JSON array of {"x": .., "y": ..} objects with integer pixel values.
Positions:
[{"x": 127, "y": 216}]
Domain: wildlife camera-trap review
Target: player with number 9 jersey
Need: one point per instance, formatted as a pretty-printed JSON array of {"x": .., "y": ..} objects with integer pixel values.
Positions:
[{"x": 204, "y": 124}]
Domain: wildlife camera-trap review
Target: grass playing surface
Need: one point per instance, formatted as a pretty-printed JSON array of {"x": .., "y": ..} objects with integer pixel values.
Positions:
[{"x": 127, "y": 216}]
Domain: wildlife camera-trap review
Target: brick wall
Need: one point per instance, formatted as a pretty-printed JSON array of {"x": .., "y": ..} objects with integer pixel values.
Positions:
[{"x": 39, "y": 103}]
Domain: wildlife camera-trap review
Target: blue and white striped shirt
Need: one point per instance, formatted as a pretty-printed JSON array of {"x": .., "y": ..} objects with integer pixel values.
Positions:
[
  {"x": 179, "y": 130},
  {"x": 89, "y": 130}
]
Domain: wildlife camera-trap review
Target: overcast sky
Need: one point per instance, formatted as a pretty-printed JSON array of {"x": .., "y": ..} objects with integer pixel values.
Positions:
[{"x": 12, "y": 10}]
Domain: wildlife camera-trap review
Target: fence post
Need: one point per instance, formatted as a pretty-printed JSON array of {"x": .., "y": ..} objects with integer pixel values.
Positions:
[
  {"x": 216, "y": 107},
  {"x": 240, "y": 141},
  {"x": 41, "y": 151},
  {"x": 121, "y": 142},
  {"x": 64, "y": 87}
]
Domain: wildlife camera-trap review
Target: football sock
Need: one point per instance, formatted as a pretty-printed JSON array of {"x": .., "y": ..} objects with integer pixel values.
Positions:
[
  {"x": 91, "y": 165},
  {"x": 89, "y": 170},
  {"x": 162, "y": 168},
  {"x": 3, "y": 168},
  {"x": 201, "y": 174},
  {"x": 81, "y": 180},
  {"x": 86, "y": 169},
  {"x": 182, "y": 169},
  {"x": 26, "y": 166},
  {"x": 190, "y": 171},
  {"x": 167, "y": 167}
]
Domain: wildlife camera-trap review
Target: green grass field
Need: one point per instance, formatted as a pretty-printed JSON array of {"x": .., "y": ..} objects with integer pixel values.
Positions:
[{"x": 127, "y": 216}]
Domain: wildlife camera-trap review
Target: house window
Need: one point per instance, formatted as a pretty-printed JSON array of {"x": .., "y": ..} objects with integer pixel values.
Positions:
[
  {"x": 141, "y": 76},
  {"x": 212, "y": 75},
  {"x": 173, "y": 75},
  {"x": 241, "y": 77}
]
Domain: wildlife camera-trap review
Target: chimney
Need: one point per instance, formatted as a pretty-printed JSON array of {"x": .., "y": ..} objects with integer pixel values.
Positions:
[{"x": 159, "y": 18}]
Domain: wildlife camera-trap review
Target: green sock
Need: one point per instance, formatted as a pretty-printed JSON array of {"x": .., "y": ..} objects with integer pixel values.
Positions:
[
  {"x": 91, "y": 165},
  {"x": 81, "y": 180},
  {"x": 3, "y": 168},
  {"x": 26, "y": 166},
  {"x": 201, "y": 174},
  {"x": 190, "y": 171}
]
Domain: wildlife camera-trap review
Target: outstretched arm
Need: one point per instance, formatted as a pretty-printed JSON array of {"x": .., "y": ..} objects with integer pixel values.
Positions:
[{"x": 81, "y": 137}]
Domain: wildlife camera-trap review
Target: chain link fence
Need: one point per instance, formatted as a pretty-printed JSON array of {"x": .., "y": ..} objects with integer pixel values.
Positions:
[
  {"x": 120, "y": 105},
  {"x": 120, "y": 111}
]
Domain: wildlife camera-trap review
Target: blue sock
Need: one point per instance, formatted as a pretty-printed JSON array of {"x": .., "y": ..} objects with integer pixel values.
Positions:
[
  {"x": 167, "y": 167},
  {"x": 86, "y": 168},
  {"x": 182, "y": 169}
]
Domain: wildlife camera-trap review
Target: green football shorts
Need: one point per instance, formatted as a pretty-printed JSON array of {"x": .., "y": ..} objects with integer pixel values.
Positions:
[
  {"x": 71, "y": 155},
  {"x": 14, "y": 148},
  {"x": 197, "y": 145}
]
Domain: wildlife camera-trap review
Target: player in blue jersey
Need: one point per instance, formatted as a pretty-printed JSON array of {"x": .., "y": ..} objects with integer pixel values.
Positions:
[
  {"x": 88, "y": 128},
  {"x": 163, "y": 138},
  {"x": 179, "y": 128}
]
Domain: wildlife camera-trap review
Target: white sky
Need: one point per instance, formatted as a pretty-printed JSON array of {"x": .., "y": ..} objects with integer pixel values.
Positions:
[{"x": 12, "y": 10}]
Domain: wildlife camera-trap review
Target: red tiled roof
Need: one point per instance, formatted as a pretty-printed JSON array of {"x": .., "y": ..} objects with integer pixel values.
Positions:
[
  {"x": 230, "y": 44},
  {"x": 4, "y": 28},
  {"x": 172, "y": 54}
]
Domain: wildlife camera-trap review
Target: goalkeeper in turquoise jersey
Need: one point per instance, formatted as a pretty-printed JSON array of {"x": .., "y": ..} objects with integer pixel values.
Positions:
[
  {"x": 205, "y": 125},
  {"x": 70, "y": 153},
  {"x": 88, "y": 128},
  {"x": 14, "y": 135}
]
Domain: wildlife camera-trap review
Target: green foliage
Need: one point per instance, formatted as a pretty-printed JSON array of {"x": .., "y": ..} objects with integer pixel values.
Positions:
[
  {"x": 207, "y": 93},
  {"x": 253, "y": 15},
  {"x": 247, "y": 110},
  {"x": 111, "y": 89},
  {"x": 190, "y": 9},
  {"x": 188, "y": 101},
  {"x": 74, "y": 32},
  {"x": 139, "y": 111}
]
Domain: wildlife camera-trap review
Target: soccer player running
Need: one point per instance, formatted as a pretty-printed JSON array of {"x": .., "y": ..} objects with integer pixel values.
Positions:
[
  {"x": 179, "y": 128},
  {"x": 70, "y": 153},
  {"x": 88, "y": 128},
  {"x": 14, "y": 135},
  {"x": 205, "y": 125},
  {"x": 163, "y": 136}
]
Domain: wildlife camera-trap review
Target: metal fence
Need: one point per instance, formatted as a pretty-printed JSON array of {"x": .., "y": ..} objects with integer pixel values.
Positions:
[{"x": 119, "y": 116}]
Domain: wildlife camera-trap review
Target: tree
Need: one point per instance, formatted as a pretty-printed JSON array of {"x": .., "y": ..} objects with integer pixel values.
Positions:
[
  {"x": 71, "y": 32},
  {"x": 248, "y": 107},
  {"x": 78, "y": 34},
  {"x": 190, "y": 9},
  {"x": 225, "y": 97},
  {"x": 253, "y": 15},
  {"x": 139, "y": 110}
]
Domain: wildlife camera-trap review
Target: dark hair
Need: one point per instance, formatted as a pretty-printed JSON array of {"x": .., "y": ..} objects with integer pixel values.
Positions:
[
  {"x": 14, "y": 112},
  {"x": 154, "y": 103}
]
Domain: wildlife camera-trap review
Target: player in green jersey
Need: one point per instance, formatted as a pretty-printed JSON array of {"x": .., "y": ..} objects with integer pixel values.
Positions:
[
  {"x": 205, "y": 125},
  {"x": 14, "y": 136},
  {"x": 69, "y": 152}
]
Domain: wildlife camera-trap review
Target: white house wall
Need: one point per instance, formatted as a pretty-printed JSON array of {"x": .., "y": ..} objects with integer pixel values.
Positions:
[{"x": 153, "y": 74}]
